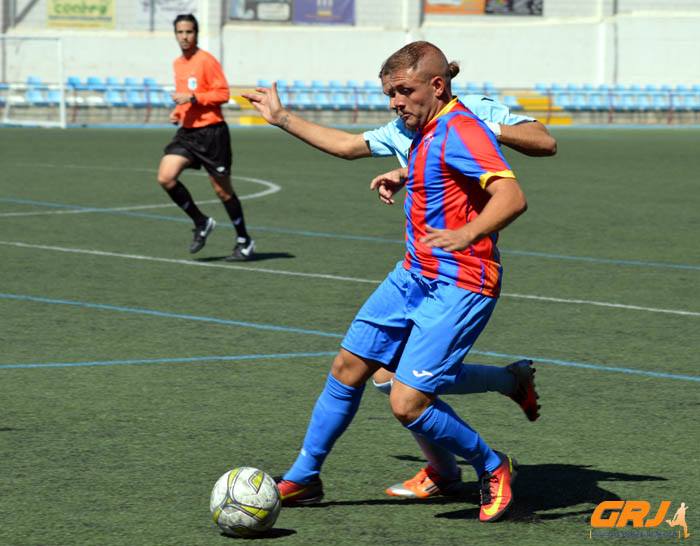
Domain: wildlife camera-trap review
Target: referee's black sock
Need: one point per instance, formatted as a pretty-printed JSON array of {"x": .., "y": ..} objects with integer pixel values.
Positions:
[
  {"x": 182, "y": 198},
  {"x": 235, "y": 212}
]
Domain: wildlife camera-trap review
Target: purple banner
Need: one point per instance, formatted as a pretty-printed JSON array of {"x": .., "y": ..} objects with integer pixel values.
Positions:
[{"x": 324, "y": 12}]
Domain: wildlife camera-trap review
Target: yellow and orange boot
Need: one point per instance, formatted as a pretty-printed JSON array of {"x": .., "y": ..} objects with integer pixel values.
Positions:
[{"x": 496, "y": 492}]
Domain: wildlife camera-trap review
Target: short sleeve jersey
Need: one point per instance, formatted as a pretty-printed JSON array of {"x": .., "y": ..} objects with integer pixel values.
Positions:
[
  {"x": 451, "y": 161},
  {"x": 202, "y": 75},
  {"x": 394, "y": 139}
]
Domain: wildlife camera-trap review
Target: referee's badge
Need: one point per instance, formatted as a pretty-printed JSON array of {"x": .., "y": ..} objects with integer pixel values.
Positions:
[{"x": 191, "y": 83}]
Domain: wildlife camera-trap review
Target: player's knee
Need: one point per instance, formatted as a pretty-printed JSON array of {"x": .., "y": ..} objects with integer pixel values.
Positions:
[
  {"x": 405, "y": 409},
  {"x": 350, "y": 370},
  {"x": 166, "y": 180},
  {"x": 222, "y": 194}
]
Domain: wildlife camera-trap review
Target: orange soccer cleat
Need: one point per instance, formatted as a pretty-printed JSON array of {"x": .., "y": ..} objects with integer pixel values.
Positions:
[{"x": 496, "y": 493}]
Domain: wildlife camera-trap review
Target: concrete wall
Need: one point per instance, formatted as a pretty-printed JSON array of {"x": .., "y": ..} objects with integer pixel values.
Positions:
[{"x": 597, "y": 41}]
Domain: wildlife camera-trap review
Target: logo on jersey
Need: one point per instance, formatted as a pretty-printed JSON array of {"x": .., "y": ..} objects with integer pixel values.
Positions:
[
  {"x": 422, "y": 373},
  {"x": 191, "y": 83}
]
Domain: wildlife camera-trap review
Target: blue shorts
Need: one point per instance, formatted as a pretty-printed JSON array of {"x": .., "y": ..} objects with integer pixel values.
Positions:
[{"x": 418, "y": 327}]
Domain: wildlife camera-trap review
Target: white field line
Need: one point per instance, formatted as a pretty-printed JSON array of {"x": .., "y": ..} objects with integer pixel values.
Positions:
[
  {"x": 271, "y": 188},
  {"x": 19, "y": 244}
]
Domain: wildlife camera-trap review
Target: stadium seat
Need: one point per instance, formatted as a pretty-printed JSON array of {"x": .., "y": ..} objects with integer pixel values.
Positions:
[
  {"x": 151, "y": 83},
  {"x": 74, "y": 83},
  {"x": 302, "y": 101},
  {"x": 512, "y": 102},
  {"x": 115, "y": 98},
  {"x": 542, "y": 88},
  {"x": 53, "y": 97},
  {"x": 353, "y": 85},
  {"x": 660, "y": 102},
  {"x": 34, "y": 82},
  {"x": 131, "y": 83},
  {"x": 321, "y": 100},
  {"x": 650, "y": 88},
  {"x": 113, "y": 83},
  {"x": 95, "y": 83},
  {"x": 318, "y": 85},
  {"x": 598, "y": 102},
  {"x": 377, "y": 101},
  {"x": 162, "y": 99},
  {"x": 342, "y": 101},
  {"x": 264, "y": 83},
  {"x": 371, "y": 85},
  {"x": 35, "y": 97},
  {"x": 300, "y": 86},
  {"x": 136, "y": 99}
]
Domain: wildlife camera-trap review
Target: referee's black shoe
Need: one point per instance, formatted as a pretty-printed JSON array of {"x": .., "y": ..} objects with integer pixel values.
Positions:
[
  {"x": 200, "y": 235},
  {"x": 243, "y": 251}
]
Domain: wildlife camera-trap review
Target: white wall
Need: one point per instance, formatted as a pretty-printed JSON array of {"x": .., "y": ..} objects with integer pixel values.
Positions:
[{"x": 575, "y": 41}]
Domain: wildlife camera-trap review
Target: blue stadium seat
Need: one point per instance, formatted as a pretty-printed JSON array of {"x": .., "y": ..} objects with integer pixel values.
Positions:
[
  {"x": 285, "y": 98},
  {"x": 35, "y": 82},
  {"x": 650, "y": 88},
  {"x": 682, "y": 89},
  {"x": 598, "y": 102},
  {"x": 342, "y": 101},
  {"x": 263, "y": 83},
  {"x": 579, "y": 102},
  {"x": 303, "y": 101},
  {"x": 643, "y": 102},
  {"x": 95, "y": 83},
  {"x": 132, "y": 83},
  {"x": 604, "y": 88},
  {"x": 151, "y": 83},
  {"x": 299, "y": 86},
  {"x": 53, "y": 97},
  {"x": 587, "y": 88},
  {"x": 161, "y": 99},
  {"x": 115, "y": 98},
  {"x": 74, "y": 83},
  {"x": 562, "y": 100},
  {"x": 35, "y": 97},
  {"x": 283, "y": 85},
  {"x": 322, "y": 100},
  {"x": 371, "y": 85},
  {"x": 377, "y": 101},
  {"x": 353, "y": 85},
  {"x": 318, "y": 85},
  {"x": 136, "y": 99},
  {"x": 542, "y": 88},
  {"x": 113, "y": 83},
  {"x": 660, "y": 102}
]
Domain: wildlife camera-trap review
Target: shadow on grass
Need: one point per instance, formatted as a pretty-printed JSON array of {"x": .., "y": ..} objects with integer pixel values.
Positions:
[
  {"x": 543, "y": 492},
  {"x": 267, "y": 535},
  {"x": 257, "y": 257}
]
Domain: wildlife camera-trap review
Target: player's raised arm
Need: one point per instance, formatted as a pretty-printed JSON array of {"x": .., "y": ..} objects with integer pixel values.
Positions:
[
  {"x": 529, "y": 138},
  {"x": 333, "y": 141}
]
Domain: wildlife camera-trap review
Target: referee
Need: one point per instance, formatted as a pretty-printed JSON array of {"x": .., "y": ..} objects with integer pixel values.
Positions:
[{"x": 202, "y": 140}]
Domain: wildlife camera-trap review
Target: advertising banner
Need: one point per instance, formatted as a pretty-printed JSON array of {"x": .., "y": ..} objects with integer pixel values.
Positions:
[
  {"x": 80, "y": 13},
  {"x": 261, "y": 10},
  {"x": 324, "y": 12},
  {"x": 483, "y": 7}
]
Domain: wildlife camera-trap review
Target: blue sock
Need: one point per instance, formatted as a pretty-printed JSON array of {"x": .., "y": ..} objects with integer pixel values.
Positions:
[
  {"x": 443, "y": 426},
  {"x": 475, "y": 378},
  {"x": 333, "y": 412}
]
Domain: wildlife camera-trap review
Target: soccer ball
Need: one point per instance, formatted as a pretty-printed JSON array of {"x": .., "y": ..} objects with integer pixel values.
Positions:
[{"x": 245, "y": 502}]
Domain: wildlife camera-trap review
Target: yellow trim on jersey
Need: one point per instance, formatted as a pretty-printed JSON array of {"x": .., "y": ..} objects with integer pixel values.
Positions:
[
  {"x": 449, "y": 106},
  {"x": 485, "y": 178}
]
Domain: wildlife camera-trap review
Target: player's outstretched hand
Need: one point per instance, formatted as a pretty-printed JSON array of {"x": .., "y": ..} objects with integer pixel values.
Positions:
[
  {"x": 388, "y": 184},
  {"x": 267, "y": 102},
  {"x": 447, "y": 239}
]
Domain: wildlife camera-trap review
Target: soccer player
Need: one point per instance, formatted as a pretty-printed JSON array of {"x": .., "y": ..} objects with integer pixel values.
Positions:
[
  {"x": 442, "y": 474},
  {"x": 203, "y": 139},
  {"x": 428, "y": 312}
]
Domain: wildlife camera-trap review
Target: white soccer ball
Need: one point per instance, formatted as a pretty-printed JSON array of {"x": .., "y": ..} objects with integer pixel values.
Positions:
[{"x": 245, "y": 502}]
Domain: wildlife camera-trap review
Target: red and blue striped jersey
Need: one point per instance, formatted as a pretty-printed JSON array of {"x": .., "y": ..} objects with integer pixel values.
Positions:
[{"x": 450, "y": 163}]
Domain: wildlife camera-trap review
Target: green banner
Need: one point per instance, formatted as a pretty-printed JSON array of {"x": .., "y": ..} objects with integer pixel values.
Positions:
[{"x": 80, "y": 13}]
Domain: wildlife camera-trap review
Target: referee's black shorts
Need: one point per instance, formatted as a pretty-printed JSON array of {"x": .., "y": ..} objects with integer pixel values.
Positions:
[{"x": 208, "y": 146}]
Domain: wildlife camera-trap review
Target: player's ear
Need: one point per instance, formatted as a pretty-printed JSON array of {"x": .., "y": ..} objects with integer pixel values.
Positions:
[{"x": 439, "y": 85}]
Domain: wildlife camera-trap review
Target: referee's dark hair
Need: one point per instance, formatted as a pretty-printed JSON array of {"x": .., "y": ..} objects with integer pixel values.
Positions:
[{"x": 187, "y": 17}]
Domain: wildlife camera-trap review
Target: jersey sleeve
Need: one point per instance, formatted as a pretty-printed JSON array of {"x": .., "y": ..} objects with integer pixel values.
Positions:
[
  {"x": 217, "y": 90},
  {"x": 389, "y": 140},
  {"x": 489, "y": 109},
  {"x": 472, "y": 150}
]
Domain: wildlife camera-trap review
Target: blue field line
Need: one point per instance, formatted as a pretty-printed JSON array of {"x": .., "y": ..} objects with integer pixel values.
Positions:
[
  {"x": 183, "y": 360},
  {"x": 367, "y": 238},
  {"x": 287, "y": 329}
]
